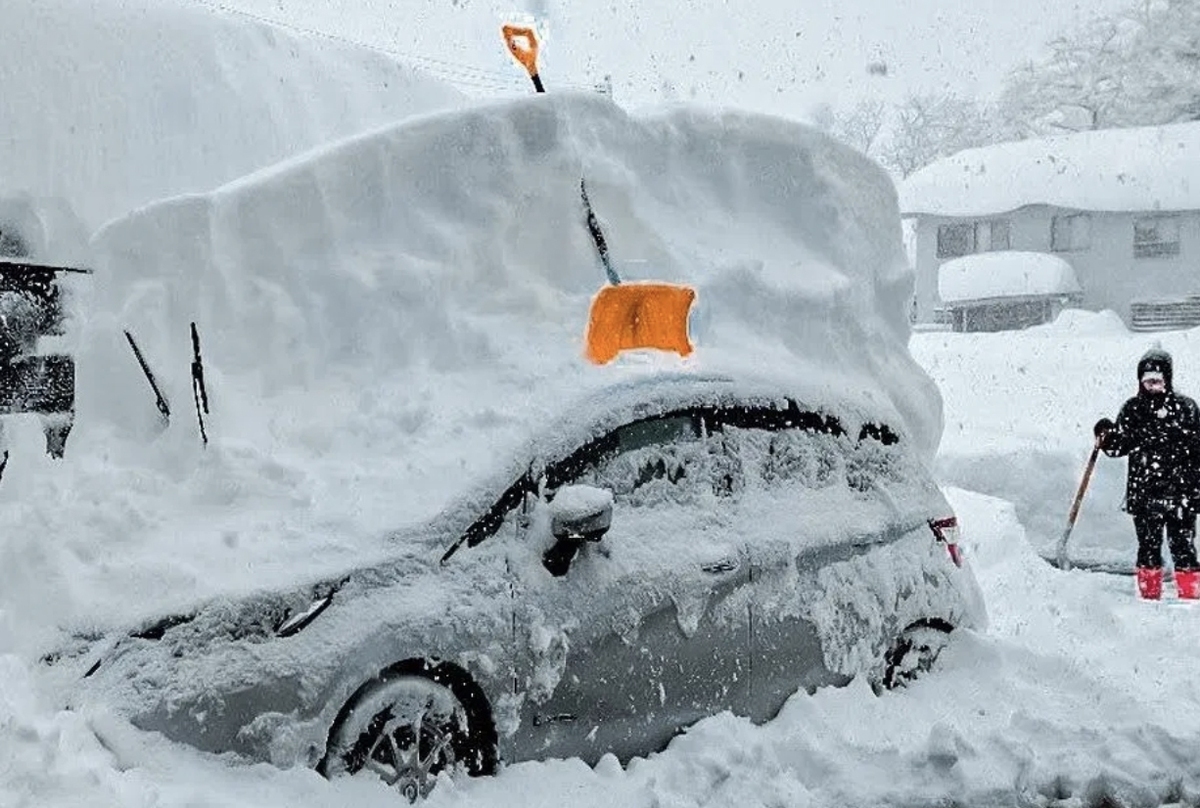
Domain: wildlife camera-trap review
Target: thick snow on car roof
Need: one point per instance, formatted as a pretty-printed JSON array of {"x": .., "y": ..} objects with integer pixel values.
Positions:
[
  {"x": 1007, "y": 273},
  {"x": 388, "y": 321}
]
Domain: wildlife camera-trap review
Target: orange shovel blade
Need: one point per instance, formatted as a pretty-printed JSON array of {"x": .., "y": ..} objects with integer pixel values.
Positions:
[{"x": 639, "y": 315}]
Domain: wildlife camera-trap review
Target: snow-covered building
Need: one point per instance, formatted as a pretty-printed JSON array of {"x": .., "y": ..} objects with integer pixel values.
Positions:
[{"x": 1121, "y": 206}]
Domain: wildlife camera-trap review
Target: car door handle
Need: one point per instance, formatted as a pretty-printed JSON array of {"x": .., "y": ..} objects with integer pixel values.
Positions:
[{"x": 722, "y": 566}]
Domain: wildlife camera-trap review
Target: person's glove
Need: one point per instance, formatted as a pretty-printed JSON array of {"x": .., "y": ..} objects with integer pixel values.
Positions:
[{"x": 1103, "y": 427}]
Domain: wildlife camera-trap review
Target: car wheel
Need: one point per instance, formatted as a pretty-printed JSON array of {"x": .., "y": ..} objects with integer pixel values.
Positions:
[
  {"x": 913, "y": 653},
  {"x": 406, "y": 729}
]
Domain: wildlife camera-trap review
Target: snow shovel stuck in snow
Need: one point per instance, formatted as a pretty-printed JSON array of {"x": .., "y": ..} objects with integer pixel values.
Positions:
[
  {"x": 523, "y": 45},
  {"x": 1064, "y": 561},
  {"x": 623, "y": 317},
  {"x": 632, "y": 316}
]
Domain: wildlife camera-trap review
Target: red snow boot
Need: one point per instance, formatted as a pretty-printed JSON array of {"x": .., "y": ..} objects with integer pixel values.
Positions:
[
  {"x": 1187, "y": 584},
  {"x": 1149, "y": 582}
]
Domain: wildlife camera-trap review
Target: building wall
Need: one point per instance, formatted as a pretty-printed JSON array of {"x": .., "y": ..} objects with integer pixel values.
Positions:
[{"x": 1109, "y": 273}]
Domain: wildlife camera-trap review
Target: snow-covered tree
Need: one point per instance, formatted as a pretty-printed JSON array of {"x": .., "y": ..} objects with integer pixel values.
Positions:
[
  {"x": 861, "y": 126},
  {"x": 928, "y": 127},
  {"x": 1165, "y": 64},
  {"x": 1081, "y": 84},
  {"x": 1138, "y": 68}
]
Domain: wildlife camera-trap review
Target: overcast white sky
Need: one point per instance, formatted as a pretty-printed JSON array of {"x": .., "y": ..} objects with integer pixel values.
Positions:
[{"x": 781, "y": 56}]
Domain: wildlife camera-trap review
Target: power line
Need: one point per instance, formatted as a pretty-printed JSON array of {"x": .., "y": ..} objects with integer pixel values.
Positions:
[{"x": 454, "y": 72}]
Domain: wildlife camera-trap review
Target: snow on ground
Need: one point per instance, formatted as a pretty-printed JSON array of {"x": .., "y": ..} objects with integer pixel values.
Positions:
[
  {"x": 110, "y": 104},
  {"x": 374, "y": 313},
  {"x": 1142, "y": 168},
  {"x": 1076, "y": 694},
  {"x": 1006, "y": 273},
  {"x": 1019, "y": 413}
]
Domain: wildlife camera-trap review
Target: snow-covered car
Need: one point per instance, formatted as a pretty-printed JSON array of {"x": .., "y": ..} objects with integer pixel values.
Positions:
[{"x": 679, "y": 546}]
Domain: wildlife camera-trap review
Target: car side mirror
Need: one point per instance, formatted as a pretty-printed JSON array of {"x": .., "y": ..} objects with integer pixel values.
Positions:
[{"x": 578, "y": 513}]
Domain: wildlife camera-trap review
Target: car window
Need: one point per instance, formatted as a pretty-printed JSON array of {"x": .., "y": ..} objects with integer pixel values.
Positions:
[
  {"x": 815, "y": 459},
  {"x": 674, "y": 458},
  {"x": 701, "y": 452}
]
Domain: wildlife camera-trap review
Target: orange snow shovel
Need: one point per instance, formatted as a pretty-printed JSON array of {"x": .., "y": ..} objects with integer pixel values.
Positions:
[
  {"x": 623, "y": 316},
  {"x": 631, "y": 316},
  {"x": 523, "y": 45}
]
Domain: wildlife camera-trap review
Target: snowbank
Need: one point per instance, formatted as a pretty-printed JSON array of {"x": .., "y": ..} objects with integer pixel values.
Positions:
[
  {"x": 109, "y": 104},
  {"x": 391, "y": 320},
  {"x": 1009, "y": 273},
  {"x": 1147, "y": 168},
  {"x": 1019, "y": 413}
]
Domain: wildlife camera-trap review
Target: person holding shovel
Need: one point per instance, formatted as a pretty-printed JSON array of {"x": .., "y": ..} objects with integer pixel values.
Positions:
[{"x": 1159, "y": 431}]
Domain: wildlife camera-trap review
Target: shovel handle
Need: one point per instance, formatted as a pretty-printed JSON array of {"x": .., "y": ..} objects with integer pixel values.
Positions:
[
  {"x": 1083, "y": 484},
  {"x": 1064, "y": 562},
  {"x": 523, "y": 45}
]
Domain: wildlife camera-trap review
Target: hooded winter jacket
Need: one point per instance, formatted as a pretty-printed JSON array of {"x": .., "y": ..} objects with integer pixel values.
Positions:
[{"x": 1160, "y": 433}]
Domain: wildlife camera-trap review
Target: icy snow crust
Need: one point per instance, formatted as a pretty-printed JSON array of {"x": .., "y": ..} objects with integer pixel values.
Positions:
[
  {"x": 1007, "y": 273},
  {"x": 1145, "y": 168},
  {"x": 111, "y": 104},
  {"x": 392, "y": 326}
]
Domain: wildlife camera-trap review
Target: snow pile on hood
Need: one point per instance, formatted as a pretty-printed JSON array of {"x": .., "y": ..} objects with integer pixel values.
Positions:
[
  {"x": 1007, "y": 273},
  {"x": 110, "y": 104},
  {"x": 388, "y": 321},
  {"x": 1146, "y": 168}
]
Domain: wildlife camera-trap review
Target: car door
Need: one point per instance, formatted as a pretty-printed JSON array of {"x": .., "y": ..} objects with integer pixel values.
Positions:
[
  {"x": 648, "y": 629},
  {"x": 828, "y": 508}
]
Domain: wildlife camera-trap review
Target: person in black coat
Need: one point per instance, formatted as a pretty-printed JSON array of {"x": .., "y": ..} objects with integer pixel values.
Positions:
[{"x": 1159, "y": 430}]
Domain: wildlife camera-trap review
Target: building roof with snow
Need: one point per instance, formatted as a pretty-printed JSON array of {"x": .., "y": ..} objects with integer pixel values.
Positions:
[
  {"x": 1009, "y": 273},
  {"x": 1145, "y": 168}
]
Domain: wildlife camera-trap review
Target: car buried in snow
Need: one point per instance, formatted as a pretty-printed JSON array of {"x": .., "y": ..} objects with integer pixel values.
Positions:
[{"x": 682, "y": 547}]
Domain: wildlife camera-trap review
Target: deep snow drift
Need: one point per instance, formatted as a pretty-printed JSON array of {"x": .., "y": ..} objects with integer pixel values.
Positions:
[
  {"x": 382, "y": 321},
  {"x": 110, "y": 104},
  {"x": 1020, "y": 408},
  {"x": 390, "y": 320}
]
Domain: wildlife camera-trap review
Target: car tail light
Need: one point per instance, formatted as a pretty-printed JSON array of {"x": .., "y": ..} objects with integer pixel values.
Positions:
[{"x": 946, "y": 531}]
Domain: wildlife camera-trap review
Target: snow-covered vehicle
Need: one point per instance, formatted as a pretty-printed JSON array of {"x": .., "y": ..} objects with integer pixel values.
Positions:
[{"x": 679, "y": 546}]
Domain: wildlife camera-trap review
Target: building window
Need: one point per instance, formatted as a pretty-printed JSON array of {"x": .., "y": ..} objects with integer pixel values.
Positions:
[
  {"x": 1155, "y": 236},
  {"x": 993, "y": 235},
  {"x": 954, "y": 240},
  {"x": 965, "y": 238},
  {"x": 1071, "y": 233}
]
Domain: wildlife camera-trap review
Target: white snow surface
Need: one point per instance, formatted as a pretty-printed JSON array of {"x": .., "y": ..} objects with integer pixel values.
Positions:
[
  {"x": 1143, "y": 168},
  {"x": 1005, "y": 273},
  {"x": 111, "y": 104},
  {"x": 388, "y": 319},
  {"x": 390, "y": 322}
]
